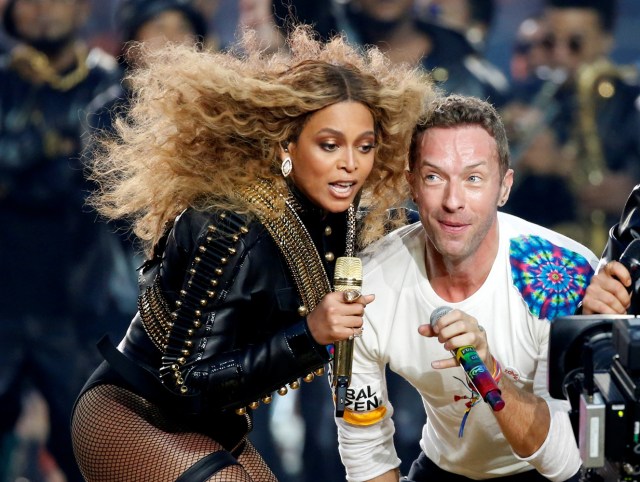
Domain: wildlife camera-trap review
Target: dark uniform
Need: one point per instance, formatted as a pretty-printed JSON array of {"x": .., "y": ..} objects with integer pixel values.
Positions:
[{"x": 58, "y": 261}]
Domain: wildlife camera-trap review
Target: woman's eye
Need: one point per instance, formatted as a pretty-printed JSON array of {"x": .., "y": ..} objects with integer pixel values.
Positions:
[
  {"x": 329, "y": 146},
  {"x": 367, "y": 148}
]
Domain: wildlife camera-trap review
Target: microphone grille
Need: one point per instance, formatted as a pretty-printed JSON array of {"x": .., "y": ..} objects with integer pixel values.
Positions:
[
  {"x": 349, "y": 270},
  {"x": 438, "y": 313}
]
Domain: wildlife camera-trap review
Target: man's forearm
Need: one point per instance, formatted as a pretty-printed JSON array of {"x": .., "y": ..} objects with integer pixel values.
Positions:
[{"x": 525, "y": 419}]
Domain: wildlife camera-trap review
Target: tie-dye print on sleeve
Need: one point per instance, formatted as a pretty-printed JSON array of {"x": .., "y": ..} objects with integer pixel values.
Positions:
[{"x": 551, "y": 279}]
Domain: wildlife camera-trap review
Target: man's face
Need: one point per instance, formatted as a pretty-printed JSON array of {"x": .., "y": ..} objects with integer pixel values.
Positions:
[
  {"x": 43, "y": 21},
  {"x": 575, "y": 37},
  {"x": 456, "y": 185}
]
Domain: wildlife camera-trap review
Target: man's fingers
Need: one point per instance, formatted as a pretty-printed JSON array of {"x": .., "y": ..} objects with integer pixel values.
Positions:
[
  {"x": 444, "y": 363},
  {"x": 606, "y": 301},
  {"x": 617, "y": 270}
]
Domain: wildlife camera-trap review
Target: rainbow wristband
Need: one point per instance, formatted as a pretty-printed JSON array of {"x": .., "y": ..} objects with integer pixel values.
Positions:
[{"x": 497, "y": 370}]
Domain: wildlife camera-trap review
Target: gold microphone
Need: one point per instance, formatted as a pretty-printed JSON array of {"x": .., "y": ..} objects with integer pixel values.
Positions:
[{"x": 348, "y": 279}]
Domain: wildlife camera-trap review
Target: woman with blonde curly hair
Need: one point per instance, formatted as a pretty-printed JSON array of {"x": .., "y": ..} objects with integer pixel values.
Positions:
[{"x": 245, "y": 178}]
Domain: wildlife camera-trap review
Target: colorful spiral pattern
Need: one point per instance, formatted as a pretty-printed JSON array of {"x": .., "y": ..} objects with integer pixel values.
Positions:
[{"x": 551, "y": 279}]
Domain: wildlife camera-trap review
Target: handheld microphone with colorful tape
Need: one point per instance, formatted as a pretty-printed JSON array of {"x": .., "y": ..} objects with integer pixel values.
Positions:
[
  {"x": 347, "y": 277},
  {"x": 476, "y": 371}
]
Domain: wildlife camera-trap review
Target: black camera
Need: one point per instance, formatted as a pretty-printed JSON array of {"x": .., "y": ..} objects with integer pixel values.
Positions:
[{"x": 594, "y": 362}]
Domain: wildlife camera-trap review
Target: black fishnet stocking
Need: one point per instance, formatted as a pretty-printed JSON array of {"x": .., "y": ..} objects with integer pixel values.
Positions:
[{"x": 119, "y": 436}]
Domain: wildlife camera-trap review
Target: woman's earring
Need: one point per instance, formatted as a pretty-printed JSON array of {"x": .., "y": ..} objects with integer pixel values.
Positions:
[{"x": 286, "y": 166}]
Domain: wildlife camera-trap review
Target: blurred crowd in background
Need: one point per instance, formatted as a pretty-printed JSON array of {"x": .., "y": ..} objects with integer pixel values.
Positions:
[{"x": 563, "y": 73}]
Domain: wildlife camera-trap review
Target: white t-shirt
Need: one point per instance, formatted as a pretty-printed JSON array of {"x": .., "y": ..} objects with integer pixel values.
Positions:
[{"x": 537, "y": 275}]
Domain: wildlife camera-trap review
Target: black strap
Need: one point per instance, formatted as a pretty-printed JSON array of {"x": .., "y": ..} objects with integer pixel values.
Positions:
[{"x": 207, "y": 466}]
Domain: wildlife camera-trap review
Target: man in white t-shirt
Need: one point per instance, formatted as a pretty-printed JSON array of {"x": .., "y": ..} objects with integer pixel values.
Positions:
[{"x": 503, "y": 279}]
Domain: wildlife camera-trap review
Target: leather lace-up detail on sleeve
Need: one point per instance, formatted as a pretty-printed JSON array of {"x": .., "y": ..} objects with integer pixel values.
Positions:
[{"x": 199, "y": 291}]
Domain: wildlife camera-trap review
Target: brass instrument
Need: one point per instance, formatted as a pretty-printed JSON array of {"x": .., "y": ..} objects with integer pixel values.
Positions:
[
  {"x": 594, "y": 82},
  {"x": 583, "y": 162}
]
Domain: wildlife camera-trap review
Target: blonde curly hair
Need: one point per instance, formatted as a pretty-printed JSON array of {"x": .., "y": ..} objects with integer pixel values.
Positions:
[{"x": 203, "y": 125}]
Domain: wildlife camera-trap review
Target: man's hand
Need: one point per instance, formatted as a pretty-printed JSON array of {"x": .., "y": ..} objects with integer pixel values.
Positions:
[
  {"x": 456, "y": 329},
  {"x": 607, "y": 293}
]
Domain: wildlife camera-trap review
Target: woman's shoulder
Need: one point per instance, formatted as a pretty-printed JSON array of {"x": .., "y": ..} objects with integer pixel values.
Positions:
[{"x": 210, "y": 238}]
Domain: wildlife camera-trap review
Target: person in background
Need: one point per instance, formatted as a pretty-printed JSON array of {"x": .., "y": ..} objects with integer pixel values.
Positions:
[
  {"x": 144, "y": 26},
  {"x": 243, "y": 177},
  {"x": 396, "y": 29},
  {"x": 474, "y": 18},
  {"x": 500, "y": 279},
  {"x": 456, "y": 66},
  {"x": 579, "y": 140},
  {"x": 529, "y": 64},
  {"x": 58, "y": 262},
  {"x": 154, "y": 23}
]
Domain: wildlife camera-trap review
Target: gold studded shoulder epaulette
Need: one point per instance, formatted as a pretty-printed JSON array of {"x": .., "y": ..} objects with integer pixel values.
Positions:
[
  {"x": 199, "y": 290},
  {"x": 294, "y": 241}
]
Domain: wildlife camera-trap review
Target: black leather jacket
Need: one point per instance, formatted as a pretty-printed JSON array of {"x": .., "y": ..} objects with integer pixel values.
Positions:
[{"x": 252, "y": 339}]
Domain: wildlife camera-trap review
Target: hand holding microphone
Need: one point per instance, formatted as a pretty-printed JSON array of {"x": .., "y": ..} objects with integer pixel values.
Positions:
[
  {"x": 348, "y": 280},
  {"x": 477, "y": 373}
]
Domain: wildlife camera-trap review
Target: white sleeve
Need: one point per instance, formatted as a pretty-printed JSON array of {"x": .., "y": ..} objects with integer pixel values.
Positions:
[
  {"x": 365, "y": 433},
  {"x": 558, "y": 458}
]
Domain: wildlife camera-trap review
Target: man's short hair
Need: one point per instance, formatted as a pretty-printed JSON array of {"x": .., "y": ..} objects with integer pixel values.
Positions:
[{"x": 459, "y": 110}]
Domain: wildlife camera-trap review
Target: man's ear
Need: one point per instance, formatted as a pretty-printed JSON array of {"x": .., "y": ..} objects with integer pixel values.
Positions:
[{"x": 505, "y": 188}]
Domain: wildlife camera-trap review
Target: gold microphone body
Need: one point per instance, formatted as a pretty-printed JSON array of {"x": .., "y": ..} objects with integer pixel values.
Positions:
[{"x": 347, "y": 277}]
